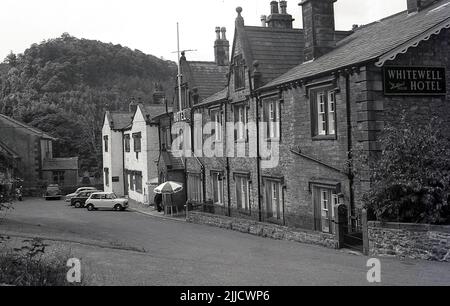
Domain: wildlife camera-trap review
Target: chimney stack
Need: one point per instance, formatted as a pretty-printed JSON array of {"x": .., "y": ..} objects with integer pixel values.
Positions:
[
  {"x": 415, "y": 6},
  {"x": 132, "y": 106},
  {"x": 158, "y": 94},
  {"x": 221, "y": 47},
  {"x": 279, "y": 20},
  {"x": 318, "y": 26}
]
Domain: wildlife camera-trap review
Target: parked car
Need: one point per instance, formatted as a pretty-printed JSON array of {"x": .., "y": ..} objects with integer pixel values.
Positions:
[
  {"x": 53, "y": 192},
  {"x": 71, "y": 195},
  {"x": 80, "y": 198},
  {"x": 106, "y": 200}
]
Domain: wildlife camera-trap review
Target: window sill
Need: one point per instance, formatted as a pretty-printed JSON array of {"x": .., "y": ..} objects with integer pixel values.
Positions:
[
  {"x": 324, "y": 137},
  {"x": 274, "y": 139}
]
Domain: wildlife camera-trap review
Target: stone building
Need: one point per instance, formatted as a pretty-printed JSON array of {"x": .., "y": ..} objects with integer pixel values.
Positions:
[
  {"x": 37, "y": 166},
  {"x": 9, "y": 162},
  {"x": 307, "y": 97},
  {"x": 199, "y": 80},
  {"x": 339, "y": 99},
  {"x": 260, "y": 54}
]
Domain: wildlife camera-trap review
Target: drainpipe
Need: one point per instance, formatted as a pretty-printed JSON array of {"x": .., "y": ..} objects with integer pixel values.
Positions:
[
  {"x": 350, "y": 144},
  {"x": 227, "y": 160},
  {"x": 258, "y": 157},
  {"x": 125, "y": 187}
]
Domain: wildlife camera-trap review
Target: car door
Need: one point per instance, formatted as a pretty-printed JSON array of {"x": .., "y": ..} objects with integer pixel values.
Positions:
[
  {"x": 95, "y": 200},
  {"x": 84, "y": 196},
  {"x": 109, "y": 200}
]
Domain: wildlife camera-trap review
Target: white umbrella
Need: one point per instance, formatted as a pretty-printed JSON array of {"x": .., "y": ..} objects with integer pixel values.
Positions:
[{"x": 168, "y": 188}]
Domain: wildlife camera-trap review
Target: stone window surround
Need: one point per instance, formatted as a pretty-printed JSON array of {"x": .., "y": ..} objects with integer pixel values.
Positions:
[
  {"x": 280, "y": 181},
  {"x": 313, "y": 92},
  {"x": 221, "y": 178},
  {"x": 238, "y": 176}
]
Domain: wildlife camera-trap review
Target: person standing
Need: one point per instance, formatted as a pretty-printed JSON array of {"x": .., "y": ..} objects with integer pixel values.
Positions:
[{"x": 158, "y": 202}]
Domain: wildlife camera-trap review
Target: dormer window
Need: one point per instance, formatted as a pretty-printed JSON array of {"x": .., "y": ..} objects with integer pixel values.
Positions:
[
  {"x": 239, "y": 72},
  {"x": 185, "y": 97}
]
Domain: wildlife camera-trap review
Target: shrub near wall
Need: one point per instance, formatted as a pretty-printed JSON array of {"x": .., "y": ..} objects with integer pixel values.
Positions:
[
  {"x": 269, "y": 230},
  {"x": 415, "y": 241}
]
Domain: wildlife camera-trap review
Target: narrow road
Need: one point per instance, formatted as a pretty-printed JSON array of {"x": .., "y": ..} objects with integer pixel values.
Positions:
[{"x": 128, "y": 248}]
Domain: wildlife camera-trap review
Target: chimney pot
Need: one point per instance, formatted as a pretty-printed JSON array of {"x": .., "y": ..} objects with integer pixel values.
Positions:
[
  {"x": 277, "y": 20},
  {"x": 224, "y": 33},
  {"x": 263, "y": 21},
  {"x": 274, "y": 7},
  {"x": 283, "y": 6},
  {"x": 217, "y": 33}
]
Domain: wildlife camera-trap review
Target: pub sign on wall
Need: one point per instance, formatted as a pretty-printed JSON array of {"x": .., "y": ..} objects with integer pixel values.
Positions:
[{"x": 412, "y": 81}]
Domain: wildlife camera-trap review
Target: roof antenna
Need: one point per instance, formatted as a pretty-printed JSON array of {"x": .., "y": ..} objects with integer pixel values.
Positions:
[{"x": 179, "y": 52}]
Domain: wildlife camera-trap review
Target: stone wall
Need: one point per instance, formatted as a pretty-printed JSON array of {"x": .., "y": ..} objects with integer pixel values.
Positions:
[
  {"x": 263, "y": 229},
  {"x": 416, "y": 241}
]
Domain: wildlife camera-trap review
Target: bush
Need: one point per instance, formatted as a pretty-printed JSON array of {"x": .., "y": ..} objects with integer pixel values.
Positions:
[
  {"x": 27, "y": 266},
  {"x": 410, "y": 181}
]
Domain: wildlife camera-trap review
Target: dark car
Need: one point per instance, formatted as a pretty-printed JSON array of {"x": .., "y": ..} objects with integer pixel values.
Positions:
[
  {"x": 79, "y": 200},
  {"x": 53, "y": 192}
]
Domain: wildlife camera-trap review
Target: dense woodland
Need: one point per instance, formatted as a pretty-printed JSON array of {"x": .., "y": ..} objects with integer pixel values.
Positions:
[{"x": 63, "y": 86}]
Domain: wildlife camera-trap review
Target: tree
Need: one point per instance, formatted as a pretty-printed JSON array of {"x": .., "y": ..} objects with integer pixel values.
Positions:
[
  {"x": 77, "y": 80},
  {"x": 11, "y": 59},
  {"x": 410, "y": 182}
]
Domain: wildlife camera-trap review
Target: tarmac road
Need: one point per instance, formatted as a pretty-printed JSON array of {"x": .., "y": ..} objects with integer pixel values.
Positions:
[{"x": 128, "y": 248}]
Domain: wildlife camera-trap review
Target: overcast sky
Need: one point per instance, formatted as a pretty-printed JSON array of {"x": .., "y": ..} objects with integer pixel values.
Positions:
[{"x": 150, "y": 25}]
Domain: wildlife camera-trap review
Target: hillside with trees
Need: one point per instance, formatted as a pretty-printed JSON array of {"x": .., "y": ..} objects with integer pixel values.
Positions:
[{"x": 63, "y": 86}]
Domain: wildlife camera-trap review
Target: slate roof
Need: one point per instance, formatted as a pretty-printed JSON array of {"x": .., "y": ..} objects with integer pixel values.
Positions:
[
  {"x": 70, "y": 163},
  {"x": 371, "y": 41},
  {"x": 276, "y": 50},
  {"x": 154, "y": 110},
  {"x": 207, "y": 77},
  {"x": 120, "y": 120},
  {"x": 26, "y": 127},
  {"x": 219, "y": 96}
]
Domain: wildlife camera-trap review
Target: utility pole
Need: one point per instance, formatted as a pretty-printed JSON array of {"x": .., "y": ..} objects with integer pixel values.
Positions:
[{"x": 179, "y": 76}]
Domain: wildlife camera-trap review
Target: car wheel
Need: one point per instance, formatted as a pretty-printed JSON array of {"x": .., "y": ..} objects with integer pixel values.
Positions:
[
  {"x": 117, "y": 207},
  {"x": 90, "y": 207},
  {"x": 77, "y": 204}
]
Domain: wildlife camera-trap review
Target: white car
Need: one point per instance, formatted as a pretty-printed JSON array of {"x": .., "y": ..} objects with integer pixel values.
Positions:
[
  {"x": 106, "y": 200},
  {"x": 74, "y": 194}
]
